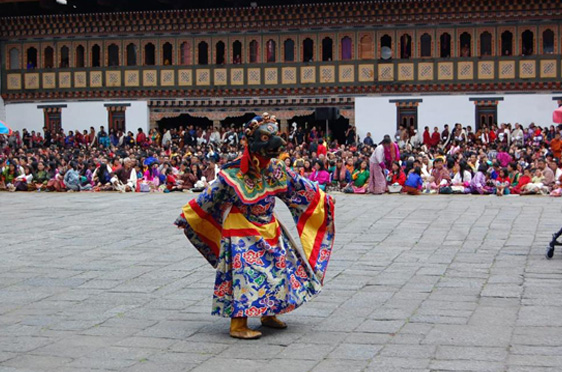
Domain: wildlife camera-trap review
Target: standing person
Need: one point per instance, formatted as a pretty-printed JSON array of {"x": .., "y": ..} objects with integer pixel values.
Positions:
[
  {"x": 435, "y": 138},
  {"x": 141, "y": 138},
  {"x": 377, "y": 180},
  {"x": 391, "y": 152},
  {"x": 260, "y": 272},
  {"x": 556, "y": 146},
  {"x": 427, "y": 138}
]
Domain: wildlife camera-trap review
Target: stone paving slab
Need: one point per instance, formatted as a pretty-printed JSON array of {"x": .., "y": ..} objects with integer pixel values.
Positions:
[{"x": 104, "y": 282}]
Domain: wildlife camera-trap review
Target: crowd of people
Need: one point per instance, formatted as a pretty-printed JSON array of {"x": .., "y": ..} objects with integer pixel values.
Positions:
[{"x": 500, "y": 160}]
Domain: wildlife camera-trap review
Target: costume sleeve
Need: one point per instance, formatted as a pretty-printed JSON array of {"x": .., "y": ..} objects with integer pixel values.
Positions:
[
  {"x": 202, "y": 219},
  {"x": 313, "y": 212}
]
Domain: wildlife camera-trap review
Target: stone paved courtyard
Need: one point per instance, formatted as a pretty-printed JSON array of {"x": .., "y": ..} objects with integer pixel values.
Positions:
[{"x": 429, "y": 283}]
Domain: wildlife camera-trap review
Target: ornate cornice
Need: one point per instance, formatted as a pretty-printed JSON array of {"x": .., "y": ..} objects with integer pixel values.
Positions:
[
  {"x": 291, "y": 17},
  {"x": 210, "y": 98}
]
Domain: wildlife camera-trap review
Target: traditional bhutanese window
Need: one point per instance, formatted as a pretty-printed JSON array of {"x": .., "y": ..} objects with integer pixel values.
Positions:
[
  {"x": 548, "y": 42},
  {"x": 113, "y": 55},
  {"x": 527, "y": 46},
  {"x": 507, "y": 43},
  {"x": 236, "y": 52},
  {"x": 149, "y": 54},
  {"x": 220, "y": 49},
  {"x": 485, "y": 44},
  {"x": 445, "y": 41},
  {"x": 465, "y": 44},
  {"x": 167, "y": 54},
  {"x": 425, "y": 41},
  {"x": 366, "y": 50},
  {"x": 185, "y": 54},
  {"x": 49, "y": 57},
  {"x": 31, "y": 58},
  {"x": 254, "y": 56},
  {"x": 131, "y": 54},
  {"x": 270, "y": 51},
  {"x": 327, "y": 49},
  {"x": 80, "y": 59},
  {"x": 405, "y": 46},
  {"x": 64, "y": 57},
  {"x": 308, "y": 50},
  {"x": 289, "y": 46},
  {"x": 96, "y": 56},
  {"x": 346, "y": 46}
]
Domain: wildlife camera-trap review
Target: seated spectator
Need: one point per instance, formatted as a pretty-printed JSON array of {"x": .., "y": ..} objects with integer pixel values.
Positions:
[
  {"x": 462, "y": 176},
  {"x": 171, "y": 181},
  {"x": 72, "y": 179},
  {"x": 320, "y": 175},
  {"x": 124, "y": 179},
  {"x": 101, "y": 179},
  {"x": 340, "y": 176},
  {"x": 396, "y": 175},
  {"x": 440, "y": 177},
  {"x": 360, "y": 178},
  {"x": 24, "y": 180},
  {"x": 478, "y": 184},
  {"x": 41, "y": 177},
  {"x": 414, "y": 182},
  {"x": 56, "y": 183},
  {"x": 8, "y": 175},
  {"x": 524, "y": 179},
  {"x": 502, "y": 182}
]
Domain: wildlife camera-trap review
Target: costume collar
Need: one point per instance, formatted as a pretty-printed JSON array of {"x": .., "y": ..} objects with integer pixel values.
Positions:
[{"x": 266, "y": 177}]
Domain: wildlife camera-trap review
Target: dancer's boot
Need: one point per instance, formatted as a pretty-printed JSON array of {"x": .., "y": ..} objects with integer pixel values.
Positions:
[
  {"x": 239, "y": 329},
  {"x": 272, "y": 322}
]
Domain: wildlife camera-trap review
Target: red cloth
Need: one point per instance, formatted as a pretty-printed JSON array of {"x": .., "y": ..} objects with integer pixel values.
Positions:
[
  {"x": 141, "y": 138},
  {"x": 557, "y": 116},
  {"x": 399, "y": 178},
  {"x": 427, "y": 138},
  {"x": 435, "y": 139},
  {"x": 322, "y": 150}
]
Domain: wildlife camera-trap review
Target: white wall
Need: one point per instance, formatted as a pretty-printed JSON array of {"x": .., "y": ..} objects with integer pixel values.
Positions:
[
  {"x": 378, "y": 116},
  {"x": 76, "y": 116}
]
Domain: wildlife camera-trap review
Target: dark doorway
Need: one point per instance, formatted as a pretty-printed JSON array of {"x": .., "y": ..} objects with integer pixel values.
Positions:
[
  {"x": 184, "y": 120},
  {"x": 337, "y": 127},
  {"x": 237, "y": 121}
]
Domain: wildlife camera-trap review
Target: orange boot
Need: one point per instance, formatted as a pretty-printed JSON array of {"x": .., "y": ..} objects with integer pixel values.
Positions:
[
  {"x": 272, "y": 322},
  {"x": 239, "y": 329}
]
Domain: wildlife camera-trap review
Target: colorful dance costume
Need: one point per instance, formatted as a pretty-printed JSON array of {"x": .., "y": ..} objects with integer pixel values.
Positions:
[{"x": 260, "y": 271}]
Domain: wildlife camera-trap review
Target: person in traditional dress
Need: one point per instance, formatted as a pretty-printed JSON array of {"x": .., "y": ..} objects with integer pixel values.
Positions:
[
  {"x": 260, "y": 270},
  {"x": 377, "y": 181}
]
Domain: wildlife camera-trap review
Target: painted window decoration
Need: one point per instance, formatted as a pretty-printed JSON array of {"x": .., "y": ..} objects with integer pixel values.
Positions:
[
  {"x": 185, "y": 54},
  {"x": 366, "y": 49}
]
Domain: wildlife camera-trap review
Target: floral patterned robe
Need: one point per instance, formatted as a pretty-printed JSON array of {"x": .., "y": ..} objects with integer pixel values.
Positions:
[{"x": 260, "y": 270}]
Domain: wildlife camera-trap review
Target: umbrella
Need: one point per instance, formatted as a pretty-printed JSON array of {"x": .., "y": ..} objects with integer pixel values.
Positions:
[
  {"x": 4, "y": 129},
  {"x": 557, "y": 116}
]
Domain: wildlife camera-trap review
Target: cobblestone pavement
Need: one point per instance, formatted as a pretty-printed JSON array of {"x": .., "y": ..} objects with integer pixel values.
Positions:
[{"x": 428, "y": 283}]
